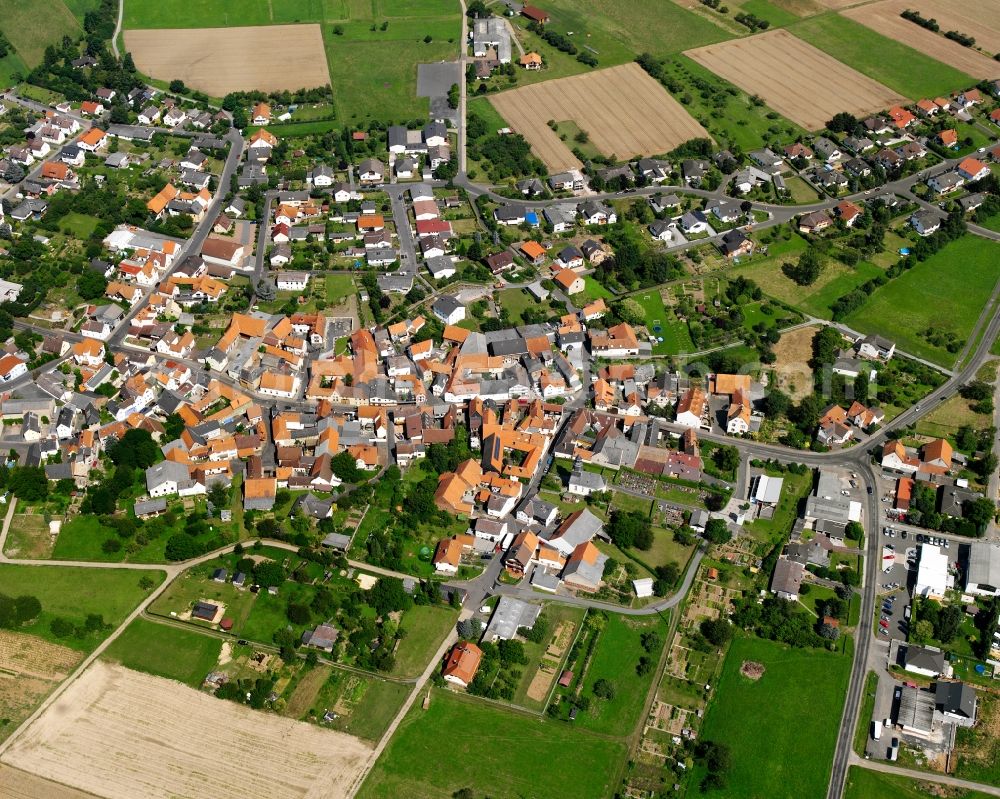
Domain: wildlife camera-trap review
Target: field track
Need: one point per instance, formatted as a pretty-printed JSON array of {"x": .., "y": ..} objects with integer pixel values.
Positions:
[
  {"x": 624, "y": 111},
  {"x": 120, "y": 734},
  {"x": 222, "y": 60},
  {"x": 794, "y": 78}
]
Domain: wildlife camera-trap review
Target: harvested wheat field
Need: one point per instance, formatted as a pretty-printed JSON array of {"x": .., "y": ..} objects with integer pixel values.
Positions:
[
  {"x": 796, "y": 79},
  {"x": 17, "y": 784},
  {"x": 981, "y": 20},
  {"x": 623, "y": 110},
  {"x": 120, "y": 734},
  {"x": 222, "y": 60}
]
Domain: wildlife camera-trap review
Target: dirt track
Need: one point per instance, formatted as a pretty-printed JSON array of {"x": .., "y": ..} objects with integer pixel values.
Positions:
[
  {"x": 624, "y": 111},
  {"x": 981, "y": 20},
  {"x": 222, "y": 60},
  {"x": 794, "y": 78},
  {"x": 120, "y": 734}
]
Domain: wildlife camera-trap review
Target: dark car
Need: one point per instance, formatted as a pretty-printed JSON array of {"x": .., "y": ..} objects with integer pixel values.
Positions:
[{"x": 870, "y": 490}]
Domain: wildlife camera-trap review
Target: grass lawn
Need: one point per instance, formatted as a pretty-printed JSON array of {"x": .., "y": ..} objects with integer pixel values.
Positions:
[
  {"x": 834, "y": 281},
  {"x": 946, "y": 418},
  {"x": 338, "y": 288},
  {"x": 946, "y": 292},
  {"x": 11, "y": 65},
  {"x": 568, "y": 130},
  {"x": 795, "y": 486},
  {"x": 166, "y": 651},
  {"x": 426, "y": 627},
  {"x": 516, "y": 301},
  {"x": 73, "y": 592},
  {"x": 978, "y": 748},
  {"x": 618, "y": 650},
  {"x": 800, "y": 191},
  {"x": 368, "y": 85},
  {"x": 863, "y": 729},
  {"x": 778, "y": 17},
  {"x": 763, "y": 721},
  {"x": 557, "y": 615},
  {"x": 865, "y": 784},
  {"x": 78, "y": 225},
  {"x": 194, "y": 586},
  {"x": 675, "y": 334},
  {"x": 483, "y": 745},
  {"x": 901, "y": 68},
  {"x": 19, "y": 21}
]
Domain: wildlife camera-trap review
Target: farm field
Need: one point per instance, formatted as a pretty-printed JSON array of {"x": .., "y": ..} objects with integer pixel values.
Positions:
[
  {"x": 479, "y": 742},
  {"x": 957, "y": 15},
  {"x": 275, "y": 757},
  {"x": 884, "y": 18},
  {"x": 780, "y": 68},
  {"x": 946, "y": 292},
  {"x": 762, "y": 721},
  {"x": 222, "y": 60},
  {"x": 624, "y": 111},
  {"x": 19, "y": 23},
  {"x": 30, "y": 669},
  {"x": 165, "y": 651},
  {"x": 73, "y": 592},
  {"x": 865, "y": 784},
  {"x": 21, "y": 785},
  {"x": 608, "y": 24},
  {"x": 912, "y": 72}
]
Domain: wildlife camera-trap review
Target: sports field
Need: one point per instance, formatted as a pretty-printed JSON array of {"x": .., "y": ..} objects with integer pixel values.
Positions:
[
  {"x": 165, "y": 651},
  {"x": 946, "y": 292},
  {"x": 912, "y": 72},
  {"x": 222, "y": 60},
  {"x": 624, "y": 111},
  {"x": 763, "y": 722},
  {"x": 884, "y": 18},
  {"x": 461, "y": 742},
  {"x": 782, "y": 69}
]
